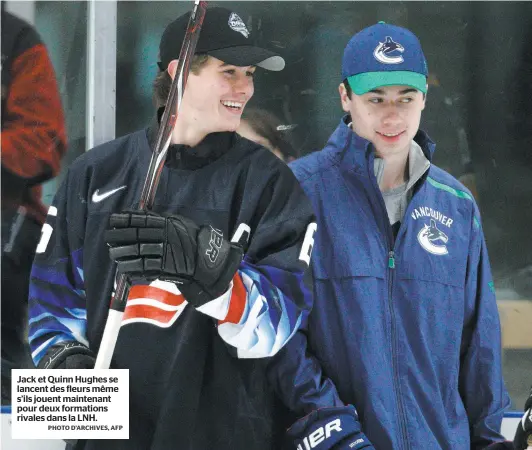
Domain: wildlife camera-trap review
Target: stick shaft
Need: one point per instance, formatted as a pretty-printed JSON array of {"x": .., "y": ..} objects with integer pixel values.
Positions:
[{"x": 168, "y": 121}]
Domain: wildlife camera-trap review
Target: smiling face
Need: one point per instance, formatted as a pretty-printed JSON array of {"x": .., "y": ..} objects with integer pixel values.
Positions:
[
  {"x": 388, "y": 117},
  {"x": 213, "y": 100}
]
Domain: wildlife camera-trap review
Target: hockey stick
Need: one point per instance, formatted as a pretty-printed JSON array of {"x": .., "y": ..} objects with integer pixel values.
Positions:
[{"x": 170, "y": 115}]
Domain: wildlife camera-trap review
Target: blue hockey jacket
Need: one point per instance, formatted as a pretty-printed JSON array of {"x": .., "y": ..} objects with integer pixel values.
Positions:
[{"x": 407, "y": 330}]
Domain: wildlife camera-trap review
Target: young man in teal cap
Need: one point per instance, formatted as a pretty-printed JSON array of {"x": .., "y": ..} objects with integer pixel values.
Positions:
[{"x": 403, "y": 346}]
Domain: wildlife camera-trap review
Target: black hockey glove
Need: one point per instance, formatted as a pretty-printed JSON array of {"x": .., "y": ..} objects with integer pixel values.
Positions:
[
  {"x": 504, "y": 445},
  {"x": 67, "y": 355},
  {"x": 523, "y": 435},
  {"x": 147, "y": 246},
  {"x": 335, "y": 428}
]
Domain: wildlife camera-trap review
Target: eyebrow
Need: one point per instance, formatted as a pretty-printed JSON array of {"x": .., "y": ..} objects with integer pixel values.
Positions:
[
  {"x": 403, "y": 92},
  {"x": 227, "y": 64}
]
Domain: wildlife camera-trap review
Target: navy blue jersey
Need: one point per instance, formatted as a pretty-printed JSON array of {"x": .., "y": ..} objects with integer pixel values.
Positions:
[{"x": 196, "y": 377}]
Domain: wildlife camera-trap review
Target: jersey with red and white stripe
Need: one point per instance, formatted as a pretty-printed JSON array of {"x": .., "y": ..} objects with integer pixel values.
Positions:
[{"x": 180, "y": 358}]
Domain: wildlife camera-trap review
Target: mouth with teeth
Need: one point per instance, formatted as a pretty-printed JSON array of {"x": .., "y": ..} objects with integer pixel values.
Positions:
[
  {"x": 233, "y": 107},
  {"x": 391, "y": 137}
]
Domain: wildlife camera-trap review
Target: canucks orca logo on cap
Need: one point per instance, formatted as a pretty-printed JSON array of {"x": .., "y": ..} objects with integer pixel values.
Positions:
[
  {"x": 386, "y": 52},
  {"x": 237, "y": 24},
  {"x": 384, "y": 55}
]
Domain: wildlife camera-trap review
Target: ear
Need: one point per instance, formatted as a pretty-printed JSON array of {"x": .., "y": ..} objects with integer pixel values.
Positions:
[
  {"x": 172, "y": 68},
  {"x": 346, "y": 101}
]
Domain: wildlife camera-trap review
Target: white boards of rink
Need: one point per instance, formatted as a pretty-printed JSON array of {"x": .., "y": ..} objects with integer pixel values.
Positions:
[{"x": 508, "y": 428}]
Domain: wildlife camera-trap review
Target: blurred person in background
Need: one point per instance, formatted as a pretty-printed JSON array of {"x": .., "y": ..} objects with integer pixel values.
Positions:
[
  {"x": 33, "y": 142},
  {"x": 443, "y": 122},
  {"x": 264, "y": 128}
]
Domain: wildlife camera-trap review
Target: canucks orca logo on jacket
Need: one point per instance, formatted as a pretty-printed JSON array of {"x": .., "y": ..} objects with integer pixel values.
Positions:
[
  {"x": 433, "y": 239},
  {"x": 389, "y": 52},
  {"x": 430, "y": 237}
]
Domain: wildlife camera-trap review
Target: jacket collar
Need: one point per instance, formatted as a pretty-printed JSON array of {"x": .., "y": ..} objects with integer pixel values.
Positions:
[
  {"x": 179, "y": 156},
  {"x": 353, "y": 152}
]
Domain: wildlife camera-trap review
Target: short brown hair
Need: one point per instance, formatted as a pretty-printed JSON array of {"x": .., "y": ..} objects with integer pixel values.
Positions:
[
  {"x": 348, "y": 90},
  {"x": 163, "y": 81}
]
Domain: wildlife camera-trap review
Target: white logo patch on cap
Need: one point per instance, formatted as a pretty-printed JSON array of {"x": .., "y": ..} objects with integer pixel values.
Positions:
[
  {"x": 237, "y": 24},
  {"x": 389, "y": 52}
]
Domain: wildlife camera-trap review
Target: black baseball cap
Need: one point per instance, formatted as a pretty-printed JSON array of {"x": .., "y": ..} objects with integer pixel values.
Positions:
[{"x": 224, "y": 36}]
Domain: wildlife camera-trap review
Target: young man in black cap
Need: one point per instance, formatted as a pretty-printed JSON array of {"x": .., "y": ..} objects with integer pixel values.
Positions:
[{"x": 217, "y": 269}]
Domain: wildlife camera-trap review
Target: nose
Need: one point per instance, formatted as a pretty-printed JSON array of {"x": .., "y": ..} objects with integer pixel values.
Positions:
[
  {"x": 391, "y": 116},
  {"x": 244, "y": 85}
]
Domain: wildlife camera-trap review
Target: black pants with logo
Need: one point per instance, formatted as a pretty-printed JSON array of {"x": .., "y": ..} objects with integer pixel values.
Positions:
[{"x": 20, "y": 236}]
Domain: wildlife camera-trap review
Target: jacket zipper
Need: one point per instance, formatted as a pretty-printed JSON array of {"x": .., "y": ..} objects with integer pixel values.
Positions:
[
  {"x": 391, "y": 260},
  {"x": 391, "y": 270},
  {"x": 398, "y": 394}
]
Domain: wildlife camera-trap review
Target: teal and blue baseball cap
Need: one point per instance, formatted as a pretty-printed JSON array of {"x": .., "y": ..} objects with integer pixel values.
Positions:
[{"x": 384, "y": 55}]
